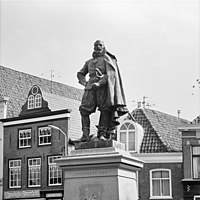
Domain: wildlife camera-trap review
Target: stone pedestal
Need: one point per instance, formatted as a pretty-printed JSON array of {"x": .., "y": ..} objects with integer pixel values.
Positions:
[{"x": 108, "y": 173}]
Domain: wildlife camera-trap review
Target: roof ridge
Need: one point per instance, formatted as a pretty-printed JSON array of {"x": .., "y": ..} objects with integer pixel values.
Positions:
[
  {"x": 20, "y": 72},
  {"x": 166, "y": 114}
]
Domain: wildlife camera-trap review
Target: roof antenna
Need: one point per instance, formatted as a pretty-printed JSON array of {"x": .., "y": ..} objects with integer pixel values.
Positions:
[
  {"x": 197, "y": 85},
  {"x": 52, "y": 76},
  {"x": 144, "y": 102}
]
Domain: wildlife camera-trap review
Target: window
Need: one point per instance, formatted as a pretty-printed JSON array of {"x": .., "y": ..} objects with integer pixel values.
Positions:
[
  {"x": 160, "y": 183},
  {"x": 44, "y": 135},
  {"x": 24, "y": 138},
  {"x": 35, "y": 98},
  {"x": 196, "y": 197},
  {"x": 127, "y": 136},
  {"x": 38, "y": 101},
  {"x": 14, "y": 173},
  {"x": 196, "y": 161},
  {"x": 55, "y": 172},
  {"x": 30, "y": 102},
  {"x": 34, "y": 172}
]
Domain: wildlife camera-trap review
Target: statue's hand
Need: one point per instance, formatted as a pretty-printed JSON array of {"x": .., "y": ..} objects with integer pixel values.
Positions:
[
  {"x": 84, "y": 83},
  {"x": 95, "y": 85}
]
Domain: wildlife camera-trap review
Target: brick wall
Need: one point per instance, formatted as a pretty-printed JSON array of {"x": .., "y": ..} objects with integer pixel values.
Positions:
[
  {"x": 11, "y": 151},
  {"x": 176, "y": 173}
]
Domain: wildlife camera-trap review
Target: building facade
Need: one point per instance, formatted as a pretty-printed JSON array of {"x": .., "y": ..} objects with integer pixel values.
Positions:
[
  {"x": 191, "y": 161},
  {"x": 32, "y": 142}
]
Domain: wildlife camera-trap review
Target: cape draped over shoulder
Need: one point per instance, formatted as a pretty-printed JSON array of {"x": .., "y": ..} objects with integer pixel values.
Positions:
[{"x": 115, "y": 97}]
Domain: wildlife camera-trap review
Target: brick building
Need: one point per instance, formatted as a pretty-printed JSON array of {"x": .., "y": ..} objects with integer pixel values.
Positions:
[
  {"x": 191, "y": 160},
  {"x": 30, "y": 148},
  {"x": 159, "y": 145}
]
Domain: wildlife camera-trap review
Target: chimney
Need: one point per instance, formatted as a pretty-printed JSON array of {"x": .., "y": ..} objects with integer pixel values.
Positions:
[
  {"x": 3, "y": 107},
  {"x": 178, "y": 112},
  {"x": 139, "y": 104}
]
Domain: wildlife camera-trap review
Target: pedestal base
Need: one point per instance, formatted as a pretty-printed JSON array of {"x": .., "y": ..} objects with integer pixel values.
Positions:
[{"x": 100, "y": 174}]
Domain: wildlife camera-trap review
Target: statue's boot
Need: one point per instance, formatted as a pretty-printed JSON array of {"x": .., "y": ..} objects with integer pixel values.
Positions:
[
  {"x": 103, "y": 125},
  {"x": 85, "y": 119},
  {"x": 85, "y": 137}
]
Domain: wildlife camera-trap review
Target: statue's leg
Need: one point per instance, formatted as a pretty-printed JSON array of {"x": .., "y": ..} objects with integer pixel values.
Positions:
[
  {"x": 102, "y": 105},
  {"x": 87, "y": 107}
]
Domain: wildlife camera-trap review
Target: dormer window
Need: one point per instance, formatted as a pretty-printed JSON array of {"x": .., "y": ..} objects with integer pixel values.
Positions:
[
  {"x": 34, "y": 98},
  {"x": 131, "y": 134},
  {"x": 127, "y": 136},
  {"x": 35, "y": 103}
]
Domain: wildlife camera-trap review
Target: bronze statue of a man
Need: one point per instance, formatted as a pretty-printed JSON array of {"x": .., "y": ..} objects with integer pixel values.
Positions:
[{"x": 103, "y": 90}]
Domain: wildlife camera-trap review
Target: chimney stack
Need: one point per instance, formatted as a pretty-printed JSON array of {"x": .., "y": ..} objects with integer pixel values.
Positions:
[
  {"x": 139, "y": 104},
  {"x": 179, "y": 112},
  {"x": 3, "y": 107}
]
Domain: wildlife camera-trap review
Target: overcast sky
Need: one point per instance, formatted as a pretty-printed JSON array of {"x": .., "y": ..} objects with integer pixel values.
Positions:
[{"x": 156, "y": 42}]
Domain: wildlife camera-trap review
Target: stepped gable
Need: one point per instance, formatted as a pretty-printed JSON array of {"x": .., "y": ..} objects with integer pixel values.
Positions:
[
  {"x": 16, "y": 85},
  {"x": 160, "y": 131}
]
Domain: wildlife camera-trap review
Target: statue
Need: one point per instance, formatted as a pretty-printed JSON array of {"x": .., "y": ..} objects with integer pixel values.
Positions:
[{"x": 103, "y": 91}]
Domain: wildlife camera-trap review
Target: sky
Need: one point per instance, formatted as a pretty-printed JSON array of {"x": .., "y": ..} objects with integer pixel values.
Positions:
[{"x": 156, "y": 42}]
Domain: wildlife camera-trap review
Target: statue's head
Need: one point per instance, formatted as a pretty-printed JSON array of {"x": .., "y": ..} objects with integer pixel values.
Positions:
[{"x": 99, "y": 46}]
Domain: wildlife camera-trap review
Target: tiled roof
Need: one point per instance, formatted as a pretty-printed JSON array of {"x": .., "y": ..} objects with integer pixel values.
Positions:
[
  {"x": 160, "y": 131},
  {"x": 16, "y": 85}
]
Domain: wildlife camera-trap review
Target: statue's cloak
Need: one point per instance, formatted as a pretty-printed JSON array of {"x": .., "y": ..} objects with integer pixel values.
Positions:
[{"x": 115, "y": 96}]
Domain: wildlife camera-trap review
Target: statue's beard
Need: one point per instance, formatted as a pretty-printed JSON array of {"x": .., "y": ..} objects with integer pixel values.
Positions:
[{"x": 100, "y": 53}]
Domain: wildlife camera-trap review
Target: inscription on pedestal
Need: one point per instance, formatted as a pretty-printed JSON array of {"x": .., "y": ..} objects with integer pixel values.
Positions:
[{"x": 89, "y": 173}]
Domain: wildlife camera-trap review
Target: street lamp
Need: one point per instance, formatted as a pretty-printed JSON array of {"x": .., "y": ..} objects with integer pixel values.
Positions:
[{"x": 65, "y": 135}]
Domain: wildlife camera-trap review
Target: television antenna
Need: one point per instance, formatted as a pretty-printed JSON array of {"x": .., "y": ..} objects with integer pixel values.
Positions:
[{"x": 52, "y": 76}]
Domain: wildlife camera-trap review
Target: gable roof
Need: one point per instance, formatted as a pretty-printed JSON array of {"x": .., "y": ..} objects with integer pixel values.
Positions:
[
  {"x": 160, "y": 131},
  {"x": 16, "y": 85}
]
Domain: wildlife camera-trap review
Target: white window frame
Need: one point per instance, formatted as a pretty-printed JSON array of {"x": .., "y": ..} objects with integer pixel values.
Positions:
[
  {"x": 170, "y": 184},
  {"x": 16, "y": 169},
  {"x": 196, "y": 172},
  {"x": 130, "y": 122},
  {"x": 195, "y": 197},
  {"x": 34, "y": 171},
  {"x": 26, "y": 140},
  {"x": 31, "y": 102},
  {"x": 42, "y": 137},
  {"x": 55, "y": 170},
  {"x": 38, "y": 101}
]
